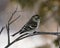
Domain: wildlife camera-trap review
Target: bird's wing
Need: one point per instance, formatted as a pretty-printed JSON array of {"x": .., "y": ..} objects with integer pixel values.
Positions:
[{"x": 28, "y": 27}]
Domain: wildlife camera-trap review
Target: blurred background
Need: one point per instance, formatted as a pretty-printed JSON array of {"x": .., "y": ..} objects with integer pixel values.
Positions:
[{"x": 48, "y": 10}]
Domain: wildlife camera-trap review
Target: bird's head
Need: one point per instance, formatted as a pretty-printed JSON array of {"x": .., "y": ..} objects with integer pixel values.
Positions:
[{"x": 36, "y": 18}]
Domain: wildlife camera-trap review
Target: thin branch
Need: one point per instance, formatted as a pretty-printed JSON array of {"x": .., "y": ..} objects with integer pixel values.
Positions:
[
  {"x": 9, "y": 23},
  {"x": 12, "y": 15},
  {"x": 10, "y": 19},
  {"x": 2, "y": 29},
  {"x": 14, "y": 20},
  {"x": 34, "y": 33},
  {"x": 8, "y": 34},
  {"x": 38, "y": 33}
]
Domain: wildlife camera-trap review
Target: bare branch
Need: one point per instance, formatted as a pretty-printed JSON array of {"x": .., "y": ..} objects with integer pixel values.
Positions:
[
  {"x": 7, "y": 26},
  {"x": 14, "y": 20},
  {"x": 34, "y": 33},
  {"x": 8, "y": 34},
  {"x": 12, "y": 15},
  {"x": 2, "y": 29},
  {"x": 10, "y": 19}
]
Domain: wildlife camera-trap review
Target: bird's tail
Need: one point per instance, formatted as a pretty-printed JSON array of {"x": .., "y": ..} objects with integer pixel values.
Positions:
[
  {"x": 16, "y": 33},
  {"x": 21, "y": 32}
]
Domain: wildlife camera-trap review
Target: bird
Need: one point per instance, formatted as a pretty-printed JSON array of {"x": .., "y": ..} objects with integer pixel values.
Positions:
[{"x": 32, "y": 24}]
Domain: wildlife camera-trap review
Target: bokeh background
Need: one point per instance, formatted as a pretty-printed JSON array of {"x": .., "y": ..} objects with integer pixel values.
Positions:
[{"x": 28, "y": 8}]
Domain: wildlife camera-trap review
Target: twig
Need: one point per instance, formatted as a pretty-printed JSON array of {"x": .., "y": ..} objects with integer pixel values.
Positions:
[
  {"x": 12, "y": 15},
  {"x": 14, "y": 20},
  {"x": 38, "y": 33},
  {"x": 7, "y": 28},
  {"x": 9, "y": 19},
  {"x": 2, "y": 30},
  {"x": 9, "y": 23}
]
